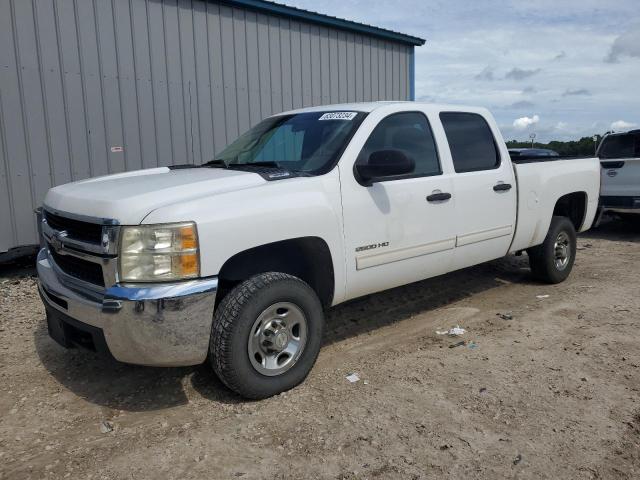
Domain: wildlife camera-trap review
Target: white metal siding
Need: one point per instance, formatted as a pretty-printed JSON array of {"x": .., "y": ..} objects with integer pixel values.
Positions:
[{"x": 170, "y": 81}]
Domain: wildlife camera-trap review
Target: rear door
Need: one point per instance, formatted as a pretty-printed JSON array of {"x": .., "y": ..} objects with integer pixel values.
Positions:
[{"x": 484, "y": 184}]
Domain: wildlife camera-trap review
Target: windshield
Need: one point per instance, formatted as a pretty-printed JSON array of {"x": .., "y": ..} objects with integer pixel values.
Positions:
[{"x": 309, "y": 142}]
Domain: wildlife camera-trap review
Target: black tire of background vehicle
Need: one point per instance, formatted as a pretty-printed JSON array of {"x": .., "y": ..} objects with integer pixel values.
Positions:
[
  {"x": 232, "y": 324},
  {"x": 542, "y": 257}
]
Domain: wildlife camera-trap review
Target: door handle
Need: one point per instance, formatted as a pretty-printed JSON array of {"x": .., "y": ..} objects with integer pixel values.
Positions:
[
  {"x": 438, "y": 197},
  {"x": 502, "y": 187},
  {"x": 612, "y": 164}
]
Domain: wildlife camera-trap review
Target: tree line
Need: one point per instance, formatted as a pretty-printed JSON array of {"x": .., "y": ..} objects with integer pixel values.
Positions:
[{"x": 583, "y": 147}]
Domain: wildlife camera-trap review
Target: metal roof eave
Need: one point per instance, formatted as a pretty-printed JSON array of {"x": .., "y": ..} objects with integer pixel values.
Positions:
[{"x": 326, "y": 20}]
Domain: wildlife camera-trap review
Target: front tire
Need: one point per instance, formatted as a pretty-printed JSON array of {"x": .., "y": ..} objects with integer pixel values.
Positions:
[
  {"x": 552, "y": 261},
  {"x": 266, "y": 335}
]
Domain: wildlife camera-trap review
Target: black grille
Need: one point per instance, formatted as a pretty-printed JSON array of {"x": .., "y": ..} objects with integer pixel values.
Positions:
[
  {"x": 76, "y": 229},
  {"x": 55, "y": 299},
  {"x": 79, "y": 268}
]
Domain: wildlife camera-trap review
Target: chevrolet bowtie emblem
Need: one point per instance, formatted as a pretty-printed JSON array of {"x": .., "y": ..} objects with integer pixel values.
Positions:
[{"x": 57, "y": 239}]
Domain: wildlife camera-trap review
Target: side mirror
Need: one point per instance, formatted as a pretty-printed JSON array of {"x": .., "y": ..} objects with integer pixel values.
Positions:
[{"x": 384, "y": 163}]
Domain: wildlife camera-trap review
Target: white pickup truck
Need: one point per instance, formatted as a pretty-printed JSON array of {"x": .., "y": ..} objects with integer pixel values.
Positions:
[{"x": 236, "y": 260}]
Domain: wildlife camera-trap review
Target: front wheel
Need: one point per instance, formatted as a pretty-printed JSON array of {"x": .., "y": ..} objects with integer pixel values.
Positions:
[
  {"x": 266, "y": 335},
  {"x": 552, "y": 261}
]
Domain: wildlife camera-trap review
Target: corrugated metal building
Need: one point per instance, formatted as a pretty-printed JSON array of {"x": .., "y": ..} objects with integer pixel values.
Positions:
[{"x": 95, "y": 87}]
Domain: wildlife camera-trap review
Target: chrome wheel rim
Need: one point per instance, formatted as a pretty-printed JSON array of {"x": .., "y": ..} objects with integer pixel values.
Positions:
[
  {"x": 277, "y": 338},
  {"x": 562, "y": 251}
]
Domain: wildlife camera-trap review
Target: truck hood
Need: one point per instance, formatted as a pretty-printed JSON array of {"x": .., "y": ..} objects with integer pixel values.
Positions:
[{"x": 129, "y": 197}]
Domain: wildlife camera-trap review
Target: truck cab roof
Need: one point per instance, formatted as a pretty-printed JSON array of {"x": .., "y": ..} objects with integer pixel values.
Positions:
[{"x": 371, "y": 106}]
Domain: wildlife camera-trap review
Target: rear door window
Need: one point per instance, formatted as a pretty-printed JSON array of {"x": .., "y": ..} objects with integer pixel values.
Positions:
[{"x": 471, "y": 142}]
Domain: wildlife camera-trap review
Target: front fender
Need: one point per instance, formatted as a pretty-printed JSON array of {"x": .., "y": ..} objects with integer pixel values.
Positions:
[{"x": 232, "y": 222}]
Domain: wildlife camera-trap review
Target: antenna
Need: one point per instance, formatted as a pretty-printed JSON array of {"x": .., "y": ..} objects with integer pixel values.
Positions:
[{"x": 532, "y": 136}]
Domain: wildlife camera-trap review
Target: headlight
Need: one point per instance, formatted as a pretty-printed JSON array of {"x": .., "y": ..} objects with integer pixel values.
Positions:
[{"x": 156, "y": 253}]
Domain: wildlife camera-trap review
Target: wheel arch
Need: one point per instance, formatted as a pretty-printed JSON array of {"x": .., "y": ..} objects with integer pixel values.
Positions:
[
  {"x": 573, "y": 206},
  {"x": 308, "y": 258}
]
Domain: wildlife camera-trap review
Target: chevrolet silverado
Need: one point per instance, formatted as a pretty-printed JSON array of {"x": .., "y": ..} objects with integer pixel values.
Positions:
[{"x": 235, "y": 261}]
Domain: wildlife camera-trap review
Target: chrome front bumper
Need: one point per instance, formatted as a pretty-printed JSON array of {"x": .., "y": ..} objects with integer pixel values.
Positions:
[{"x": 152, "y": 324}]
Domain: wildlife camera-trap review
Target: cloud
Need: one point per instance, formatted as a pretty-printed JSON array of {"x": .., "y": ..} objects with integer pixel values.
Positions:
[
  {"x": 627, "y": 44},
  {"x": 520, "y": 74},
  {"x": 622, "y": 125},
  {"x": 486, "y": 74},
  {"x": 561, "y": 126},
  {"x": 579, "y": 91},
  {"x": 463, "y": 38},
  {"x": 426, "y": 98},
  {"x": 522, "y": 105},
  {"x": 560, "y": 56},
  {"x": 524, "y": 122}
]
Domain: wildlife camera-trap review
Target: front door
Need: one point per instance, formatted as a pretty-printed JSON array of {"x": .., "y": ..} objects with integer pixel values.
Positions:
[{"x": 400, "y": 229}]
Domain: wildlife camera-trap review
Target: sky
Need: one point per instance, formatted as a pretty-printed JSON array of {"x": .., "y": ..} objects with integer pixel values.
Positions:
[{"x": 561, "y": 69}]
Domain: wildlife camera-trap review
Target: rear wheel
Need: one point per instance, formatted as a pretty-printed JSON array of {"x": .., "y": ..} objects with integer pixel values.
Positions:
[
  {"x": 552, "y": 261},
  {"x": 266, "y": 335}
]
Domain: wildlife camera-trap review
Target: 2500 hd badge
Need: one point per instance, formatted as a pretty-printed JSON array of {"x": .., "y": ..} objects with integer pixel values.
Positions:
[{"x": 372, "y": 246}]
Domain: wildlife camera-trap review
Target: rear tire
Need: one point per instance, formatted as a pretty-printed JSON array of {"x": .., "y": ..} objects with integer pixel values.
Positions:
[
  {"x": 266, "y": 335},
  {"x": 552, "y": 261}
]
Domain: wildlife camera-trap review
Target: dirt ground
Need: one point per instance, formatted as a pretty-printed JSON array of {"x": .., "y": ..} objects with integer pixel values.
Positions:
[{"x": 551, "y": 392}]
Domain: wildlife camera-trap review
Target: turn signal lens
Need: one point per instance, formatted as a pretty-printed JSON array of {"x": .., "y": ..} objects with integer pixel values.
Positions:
[
  {"x": 189, "y": 237},
  {"x": 189, "y": 265}
]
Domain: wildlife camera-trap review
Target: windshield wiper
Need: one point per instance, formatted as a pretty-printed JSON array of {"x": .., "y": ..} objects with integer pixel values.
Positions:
[
  {"x": 218, "y": 163},
  {"x": 265, "y": 163},
  {"x": 215, "y": 163}
]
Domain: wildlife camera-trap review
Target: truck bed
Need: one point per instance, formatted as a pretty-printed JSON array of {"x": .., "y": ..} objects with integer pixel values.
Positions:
[
  {"x": 541, "y": 181},
  {"x": 538, "y": 159}
]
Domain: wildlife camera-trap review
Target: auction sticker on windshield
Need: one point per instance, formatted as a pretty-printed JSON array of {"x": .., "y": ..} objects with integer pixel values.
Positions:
[{"x": 338, "y": 116}]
